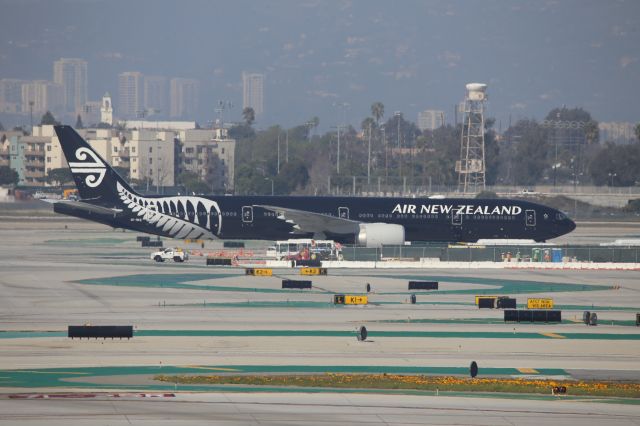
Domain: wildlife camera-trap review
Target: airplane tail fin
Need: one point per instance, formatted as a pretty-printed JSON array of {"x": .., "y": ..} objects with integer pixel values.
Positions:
[{"x": 96, "y": 181}]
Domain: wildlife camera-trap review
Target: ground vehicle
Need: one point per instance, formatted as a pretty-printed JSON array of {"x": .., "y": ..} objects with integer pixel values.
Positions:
[
  {"x": 177, "y": 254},
  {"x": 305, "y": 248}
]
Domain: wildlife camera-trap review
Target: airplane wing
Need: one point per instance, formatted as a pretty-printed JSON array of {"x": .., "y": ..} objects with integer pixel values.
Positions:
[
  {"x": 80, "y": 205},
  {"x": 317, "y": 223}
]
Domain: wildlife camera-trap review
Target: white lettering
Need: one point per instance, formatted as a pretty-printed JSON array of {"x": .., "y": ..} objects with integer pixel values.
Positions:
[{"x": 397, "y": 209}]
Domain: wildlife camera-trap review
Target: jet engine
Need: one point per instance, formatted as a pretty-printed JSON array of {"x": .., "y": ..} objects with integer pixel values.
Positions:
[{"x": 377, "y": 234}]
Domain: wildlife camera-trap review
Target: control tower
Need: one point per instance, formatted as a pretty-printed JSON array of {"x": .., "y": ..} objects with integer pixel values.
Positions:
[{"x": 471, "y": 166}]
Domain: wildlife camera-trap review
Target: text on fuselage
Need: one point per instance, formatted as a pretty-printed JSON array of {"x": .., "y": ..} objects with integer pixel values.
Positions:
[{"x": 467, "y": 209}]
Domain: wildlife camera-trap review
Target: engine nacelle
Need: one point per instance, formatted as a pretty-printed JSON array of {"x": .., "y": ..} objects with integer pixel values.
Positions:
[{"x": 377, "y": 234}]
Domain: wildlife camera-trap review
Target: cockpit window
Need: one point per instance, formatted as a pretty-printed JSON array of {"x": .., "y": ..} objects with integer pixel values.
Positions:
[{"x": 560, "y": 216}]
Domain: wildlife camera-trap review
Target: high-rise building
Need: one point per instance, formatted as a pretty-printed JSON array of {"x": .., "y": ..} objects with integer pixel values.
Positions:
[
  {"x": 40, "y": 96},
  {"x": 430, "y": 119},
  {"x": 155, "y": 95},
  {"x": 11, "y": 95},
  {"x": 71, "y": 74},
  {"x": 184, "y": 97},
  {"x": 253, "y": 92},
  {"x": 130, "y": 101}
]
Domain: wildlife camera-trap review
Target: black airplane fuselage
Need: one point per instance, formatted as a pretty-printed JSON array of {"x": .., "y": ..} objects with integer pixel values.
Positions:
[{"x": 444, "y": 220}]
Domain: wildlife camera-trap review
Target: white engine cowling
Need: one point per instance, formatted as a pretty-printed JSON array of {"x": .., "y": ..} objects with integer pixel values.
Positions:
[{"x": 377, "y": 234}]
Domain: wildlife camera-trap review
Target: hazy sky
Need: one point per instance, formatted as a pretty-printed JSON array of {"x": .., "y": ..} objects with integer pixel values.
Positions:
[{"x": 410, "y": 55}]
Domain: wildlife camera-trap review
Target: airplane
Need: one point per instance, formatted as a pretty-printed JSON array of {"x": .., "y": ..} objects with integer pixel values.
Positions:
[{"x": 106, "y": 198}]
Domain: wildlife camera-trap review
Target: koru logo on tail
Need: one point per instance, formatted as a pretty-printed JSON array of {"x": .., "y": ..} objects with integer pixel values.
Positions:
[{"x": 95, "y": 169}]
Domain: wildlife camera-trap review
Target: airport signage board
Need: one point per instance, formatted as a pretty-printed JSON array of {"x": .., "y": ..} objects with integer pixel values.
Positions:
[
  {"x": 262, "y": 272},
  {"x": 355, "y": 300},
  {"x": 539, "y": 303},
  {"x": 487, "y": 297}
]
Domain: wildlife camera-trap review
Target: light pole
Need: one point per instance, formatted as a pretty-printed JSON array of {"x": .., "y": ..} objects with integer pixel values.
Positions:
[
  {"x": 369, "y": 159},
  {"x": 271, "y": 184},
  {"x": 611, "y": 176}
]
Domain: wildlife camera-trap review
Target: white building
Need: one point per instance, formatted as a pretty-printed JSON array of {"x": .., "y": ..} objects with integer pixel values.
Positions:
[
  {"x": 106, "y": 110},
  {"x": 184, "y": 97},
  {"x": 253, "y": 92},
  {"x": 130, "y": 91},
  {"x": 11, "y": 95},
  {"x": 151, "y": 156},
  {"x": 155, "y": 95},
  {"x": 71, "y": 74},
  {"x": 43, "y": 96},
  {"x": 211, "y": 155},
  {"x": 430, "y": 119}
]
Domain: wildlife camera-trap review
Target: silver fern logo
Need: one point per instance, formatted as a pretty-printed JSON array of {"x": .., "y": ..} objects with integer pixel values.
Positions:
[
  {"x": 95, "y": 169},
  {"x": 178, "y": 217}
]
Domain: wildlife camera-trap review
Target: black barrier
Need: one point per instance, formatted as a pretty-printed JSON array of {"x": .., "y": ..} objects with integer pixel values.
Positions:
[
  {"x": 486, "y": 302},
  {"x": 148, "y": 243},
  {"x": 506, "y": 303},
  {"x": 423, "y": 285},
  {"x": 219, "y": 261},
  {"x": 100, "y": 331},
  {"x": 296, "y": 284},
  {"x": 525, "y": 315},
  {"x": 233, "y": 244},
  {"x": 473, "y": 369},
  {"x": 338, "y": 299},
  {"x": 143, "y": 238},
  {"x": 413, "y": 299},
  {"x": 511, "y": 316}
]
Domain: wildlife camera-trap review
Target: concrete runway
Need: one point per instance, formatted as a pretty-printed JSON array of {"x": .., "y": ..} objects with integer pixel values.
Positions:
[
  {"x": 191, "y": 315},
  {"x": 313, "y": 409}
]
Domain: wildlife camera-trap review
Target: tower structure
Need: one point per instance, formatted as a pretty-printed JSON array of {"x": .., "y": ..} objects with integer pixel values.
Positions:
[
  {"x": 253, "y": 92},
  {"x": 106, "y": 110},
  {"x": 471, "y": 166}
]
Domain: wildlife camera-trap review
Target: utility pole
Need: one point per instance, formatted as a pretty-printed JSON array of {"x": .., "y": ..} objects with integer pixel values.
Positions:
[
  {"x": 31, "y": 113},
  {"x": 278, "y": 151},
  {"x": 398, "y": 115},
  {"x": 369, "y": 159},
  {"x": 287, "y": 148}
]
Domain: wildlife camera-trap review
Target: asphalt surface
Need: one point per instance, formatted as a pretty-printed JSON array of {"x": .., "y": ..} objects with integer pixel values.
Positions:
[{"x": 189, "y": 316}]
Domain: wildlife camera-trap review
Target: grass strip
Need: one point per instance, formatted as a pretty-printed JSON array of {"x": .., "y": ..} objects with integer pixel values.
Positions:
[{"x": 414, "y": 382}]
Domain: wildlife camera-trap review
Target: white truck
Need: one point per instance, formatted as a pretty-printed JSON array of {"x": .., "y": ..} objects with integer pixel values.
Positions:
[{"x": 177, "y": 254}]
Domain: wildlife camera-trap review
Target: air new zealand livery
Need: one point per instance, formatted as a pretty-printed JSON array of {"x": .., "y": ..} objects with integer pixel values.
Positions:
[{"x": 106, "y": 198}]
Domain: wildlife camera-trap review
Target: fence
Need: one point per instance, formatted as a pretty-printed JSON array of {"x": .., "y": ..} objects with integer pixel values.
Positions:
[{"x": 496, "y": 253}]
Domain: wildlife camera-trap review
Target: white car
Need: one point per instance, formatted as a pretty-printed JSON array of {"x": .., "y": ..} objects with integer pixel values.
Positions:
[{"x": 177, "y": 254}]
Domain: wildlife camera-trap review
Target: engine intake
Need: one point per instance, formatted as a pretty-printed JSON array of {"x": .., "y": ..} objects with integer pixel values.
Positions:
[{"x": 378, "y": 234}]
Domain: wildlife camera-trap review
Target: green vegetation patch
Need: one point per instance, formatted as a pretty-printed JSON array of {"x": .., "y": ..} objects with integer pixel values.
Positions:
[{"x": 414, "y": 382}]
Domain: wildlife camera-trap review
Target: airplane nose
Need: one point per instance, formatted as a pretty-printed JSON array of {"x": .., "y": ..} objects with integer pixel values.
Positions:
[{"x": 571, "y": 225}]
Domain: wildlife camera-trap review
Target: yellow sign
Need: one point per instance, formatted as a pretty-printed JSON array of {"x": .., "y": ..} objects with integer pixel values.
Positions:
[
  {"x": 539, "y": 303},
  {"x": 313, "y": 271},
  {"x": 260, "y": 272},
  {"x": 487, "y": 297},
  {"x": 355, "y": 300}
]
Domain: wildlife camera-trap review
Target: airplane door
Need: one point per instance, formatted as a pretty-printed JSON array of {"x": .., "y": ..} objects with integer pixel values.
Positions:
[
  {"x": 530, "y": 217},
  {"x": 456, "y": 219},
  {"x": 247, "y": 214},
  {"x": 343, "y": 212}
]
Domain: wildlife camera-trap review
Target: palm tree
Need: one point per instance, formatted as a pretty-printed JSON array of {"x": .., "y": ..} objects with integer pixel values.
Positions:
[
  {"x": 377, "y": 111},
  {"x": 249, "y": 115}
]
